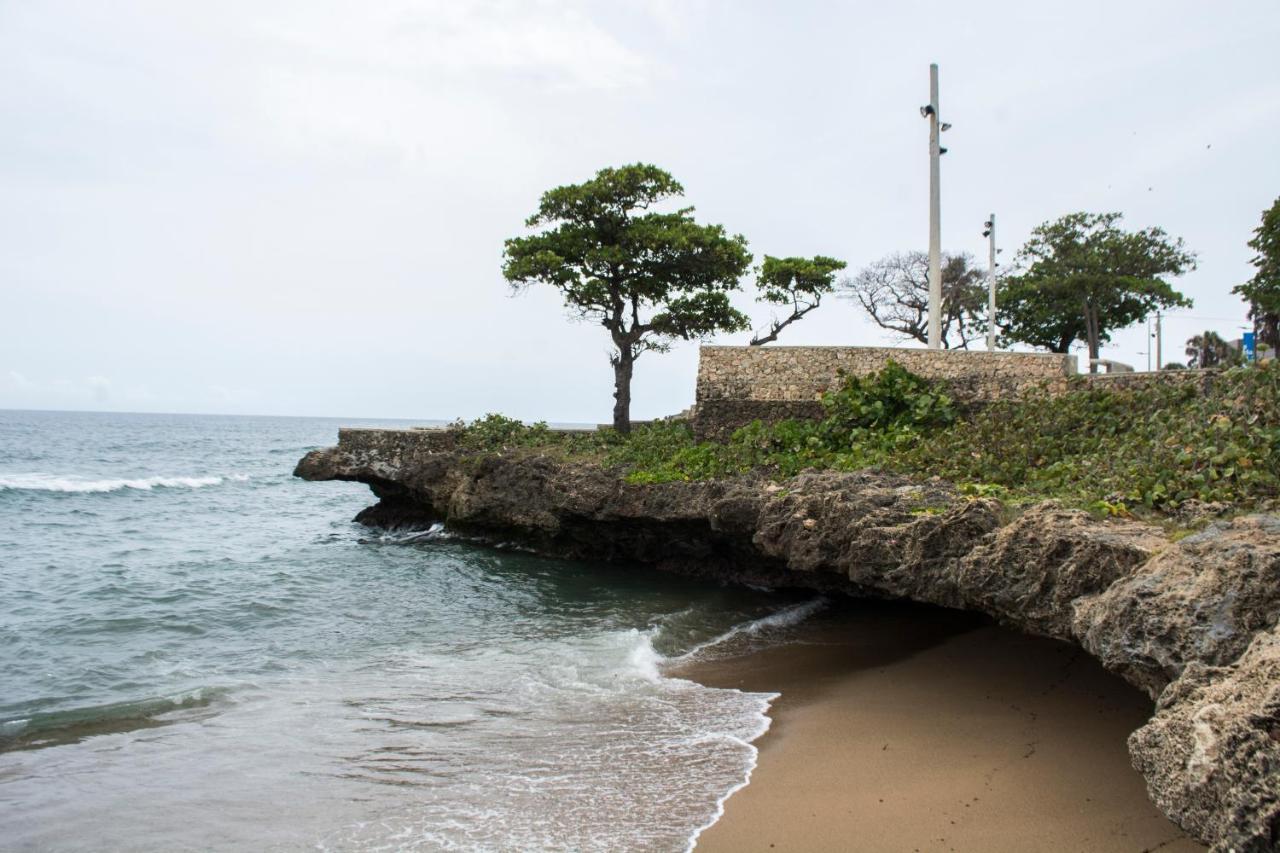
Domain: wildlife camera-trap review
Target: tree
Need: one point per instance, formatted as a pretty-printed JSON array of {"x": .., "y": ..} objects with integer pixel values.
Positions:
[
  {"x": 1210, "y": 350},
  {"x": 798, "y": 282},
  {"x": 647, "y": 277},
  {"x": 895, "y": 292},
  {"x": 1083, "y": 277},
  {"x": 1263, "y": 290}
]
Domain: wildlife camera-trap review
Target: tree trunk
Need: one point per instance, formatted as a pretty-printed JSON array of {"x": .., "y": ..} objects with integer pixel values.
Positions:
[
  {"x": 623, "y": 365},
  {"x": 1268, "y": 330},
  {"x": 1091, "y": 333}
]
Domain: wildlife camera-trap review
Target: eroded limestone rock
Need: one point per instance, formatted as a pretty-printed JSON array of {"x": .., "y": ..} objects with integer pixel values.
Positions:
[
  {"x": 1199, "y": 600},
  {"x": 1030, "y": 571},
  {"x": 1211, "y": 753}
]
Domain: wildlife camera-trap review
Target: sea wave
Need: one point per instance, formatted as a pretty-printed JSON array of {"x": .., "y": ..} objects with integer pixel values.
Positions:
[
  {"x": 785, "y": 618},
  {"x": 38, "y": 482},
  {"x": 73, "y": 724}
]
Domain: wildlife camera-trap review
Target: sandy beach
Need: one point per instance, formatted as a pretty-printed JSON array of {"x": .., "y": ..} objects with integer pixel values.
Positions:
[{"x": 902, "y": 728}]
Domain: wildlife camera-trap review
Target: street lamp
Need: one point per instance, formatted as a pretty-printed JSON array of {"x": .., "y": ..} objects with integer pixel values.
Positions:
[
  {"x": 930, "y": 111},
  {"x": 989, "y": 231}
]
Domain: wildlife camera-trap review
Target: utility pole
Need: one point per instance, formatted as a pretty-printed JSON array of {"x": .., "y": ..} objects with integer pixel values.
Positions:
[
  {"x": 1159, "y": 348},
  {"x": 990, "y": 234},
  {"x": 936, "y": 151},
  {"x": 1148, "y": 346}
]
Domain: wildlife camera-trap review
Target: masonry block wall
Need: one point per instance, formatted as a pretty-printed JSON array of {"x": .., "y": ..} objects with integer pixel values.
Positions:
[{"x": 737, "y": 385}]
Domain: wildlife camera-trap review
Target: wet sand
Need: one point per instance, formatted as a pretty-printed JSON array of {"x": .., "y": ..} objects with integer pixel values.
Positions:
[{"x": 903, "y": 728}]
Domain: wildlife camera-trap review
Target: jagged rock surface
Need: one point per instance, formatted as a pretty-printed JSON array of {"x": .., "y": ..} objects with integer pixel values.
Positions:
[
  {"x": 1211, "y": 753},
  {"x": 1174, "y": 619},
  {"x": 1201, "y": 600}
]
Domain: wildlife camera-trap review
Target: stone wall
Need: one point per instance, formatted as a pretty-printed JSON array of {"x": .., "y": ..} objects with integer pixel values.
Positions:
[{"x": 737, "y": 385}]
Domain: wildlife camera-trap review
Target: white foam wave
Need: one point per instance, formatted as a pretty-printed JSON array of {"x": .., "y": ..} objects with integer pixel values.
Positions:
[
  {"x": 784, "y": 618},
  {"x": 587, "y": 745},
  {"x": 39, "y": 482},
  {"x": 753, "y": 760},
  {"x": 435, "y": 533}
]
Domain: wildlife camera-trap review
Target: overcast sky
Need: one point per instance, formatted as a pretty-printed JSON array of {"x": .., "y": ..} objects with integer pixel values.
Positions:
[{"x": 299, "y": 207}]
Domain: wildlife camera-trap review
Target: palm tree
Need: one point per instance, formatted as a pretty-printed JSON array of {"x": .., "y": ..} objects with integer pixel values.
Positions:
[{"x": 1210, "y": 350}]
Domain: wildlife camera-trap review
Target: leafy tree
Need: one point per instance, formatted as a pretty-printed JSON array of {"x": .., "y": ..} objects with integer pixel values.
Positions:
[
  {"x": 647, "y": 277},
  {"x": 1084, "y": 277},
  {"x": 1263, "y": 290},
  {"x": 1210, "y": 350},
  {"x": 895, "y": 292},
  {"x": 798, "y": 282}
]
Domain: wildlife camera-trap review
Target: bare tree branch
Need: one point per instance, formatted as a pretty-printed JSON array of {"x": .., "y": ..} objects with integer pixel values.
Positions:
[{"x": 894, "y": 291}]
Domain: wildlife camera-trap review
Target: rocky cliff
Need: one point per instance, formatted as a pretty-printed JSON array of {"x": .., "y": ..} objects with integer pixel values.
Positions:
[{"x": 1192, "y": 623}]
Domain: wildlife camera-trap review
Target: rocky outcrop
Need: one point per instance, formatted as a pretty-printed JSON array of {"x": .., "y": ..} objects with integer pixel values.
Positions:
[
  {"x": 1029, "y": 573},
  {"x": 1211, "y": 753},
  {"x": 1192, "y": 623},
  {"x": 1201, "y": 600}
]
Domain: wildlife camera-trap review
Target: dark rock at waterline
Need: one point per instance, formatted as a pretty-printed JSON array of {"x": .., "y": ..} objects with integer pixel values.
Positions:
[{"x": 1192, "y": 623}]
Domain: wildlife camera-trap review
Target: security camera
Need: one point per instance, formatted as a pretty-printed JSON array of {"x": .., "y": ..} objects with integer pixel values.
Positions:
[
  {"x": 926, "y": 110},
  {"x": 942, "y": 151},
  {"x": 944, "y": 126}
]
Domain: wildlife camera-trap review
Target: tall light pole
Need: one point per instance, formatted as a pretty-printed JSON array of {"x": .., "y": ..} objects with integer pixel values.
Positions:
[
  {"x": 1149, "y": 337},
  {"x": 1159, "y": 347},
  {"x": 935, "y": 212},
  {"x": 990, "y": 233}
]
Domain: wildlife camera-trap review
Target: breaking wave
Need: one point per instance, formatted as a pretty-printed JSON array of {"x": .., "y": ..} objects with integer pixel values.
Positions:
[
  {"x": 778, "y": 620},
  {"x": 61, "y": 483}
]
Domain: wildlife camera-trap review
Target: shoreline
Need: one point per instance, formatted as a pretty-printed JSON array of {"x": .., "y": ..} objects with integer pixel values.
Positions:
[{"x": 899, "y": 727}]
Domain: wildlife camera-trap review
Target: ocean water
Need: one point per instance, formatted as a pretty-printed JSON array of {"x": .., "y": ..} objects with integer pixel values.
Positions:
[{"x": 198, "y": 651}]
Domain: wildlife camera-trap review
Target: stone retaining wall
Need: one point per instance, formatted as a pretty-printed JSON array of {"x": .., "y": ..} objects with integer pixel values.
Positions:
[{"x": 737, "y": 385}]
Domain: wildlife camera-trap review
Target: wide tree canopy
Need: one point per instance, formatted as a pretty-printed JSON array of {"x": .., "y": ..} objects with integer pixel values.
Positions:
[
  {"x": 894, "y": 291},
  {"x": 797, "y": 283},
  {"x": 1082, "y": 277},
  {"x": 648, "y": 277},
  {"x": 1263, "y": 290}
]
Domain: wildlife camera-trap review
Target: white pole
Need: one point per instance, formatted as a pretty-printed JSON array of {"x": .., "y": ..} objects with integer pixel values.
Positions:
[
  {"x": 1148, "y": 345},
  {"x": 1159, "y": 348},
  {"x": 991, "y": 284},
  {"x": 935, "y": 217}
]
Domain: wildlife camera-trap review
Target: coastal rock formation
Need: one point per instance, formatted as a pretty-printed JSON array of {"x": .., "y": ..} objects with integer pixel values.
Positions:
[
  {"x": 1031, "y": 571},
  {"x": 1211, "y": 753},
  {"x": 1192, "y": 623},
  {"x": 1201, "y": 600}
]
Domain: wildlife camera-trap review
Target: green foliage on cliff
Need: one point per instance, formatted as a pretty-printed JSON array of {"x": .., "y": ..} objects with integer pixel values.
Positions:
[
  {"x": 1112, "y": 449},
  {"x": 1157, "y": 446}
]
